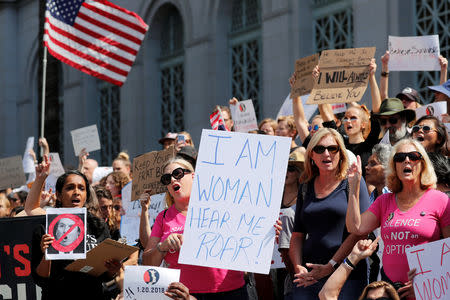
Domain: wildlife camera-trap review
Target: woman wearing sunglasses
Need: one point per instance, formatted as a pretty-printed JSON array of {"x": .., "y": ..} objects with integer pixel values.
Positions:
[
  {"x": 167, "y": 237},
  {"x": 431, "y": 133},
  {"x": 414, "y": 213},
  {"x": 320, "y": 214}
]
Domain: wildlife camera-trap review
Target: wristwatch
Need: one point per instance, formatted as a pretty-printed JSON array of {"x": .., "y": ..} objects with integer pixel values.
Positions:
[{"x": 333, "y": 263}]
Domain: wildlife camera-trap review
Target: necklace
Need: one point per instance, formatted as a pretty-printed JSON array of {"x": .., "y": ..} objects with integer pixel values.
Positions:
[{"x": 289, "y": 203}]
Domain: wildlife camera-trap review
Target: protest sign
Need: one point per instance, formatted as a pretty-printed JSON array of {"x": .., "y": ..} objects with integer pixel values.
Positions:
[
  {"x": 56, "y": 167},
  {"x": 303, "y": 73},
  {"x": 276, "y": 262},
  {"x": 414, "y": 53},
  {"x": 50, "y": 183},
  {"x": 11, "y": 172},
  {"x": 146, "y": 282},
  {"x": 244, "y": 117},
  {"x": 16, "y": 281},
  {"x": 86, "y": 137},
  {"x": 132, "y": 217},
  {"x": 147, "y": 171},
  {"x": 432, "y": 264},
  {"x": 343, "y": 76},
  {"x": 436, "y": 109},
  {"x": 101, "y": 172},
  {"x": 286, "y": 108},
  {"x": 339, "y": 108},
  {"x": 68, "y": 227},
  {"x": 235, "y": 200},
  {"x": 385, "y": 139},
  {"x": 28, "y": 160}
]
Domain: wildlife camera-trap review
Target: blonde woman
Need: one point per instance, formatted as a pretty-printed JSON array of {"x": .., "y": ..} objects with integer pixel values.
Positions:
[
  {"x": 320, "y": 214},
  {"x": 414, "y": 213}
]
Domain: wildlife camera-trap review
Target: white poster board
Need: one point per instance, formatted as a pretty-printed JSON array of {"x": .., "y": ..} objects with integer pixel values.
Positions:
[
  {"x": 86, "y": 137},
  {"x": 147, "y": 282},
  {"x": 56, "y": 167},
  {"x": 243, "y": 115},
  {"x": 28, "y": 161},
  {"x": 68, "y": 227},
  {"x": 11, "y": 172},
  {"x": 432, "y": 263},
  {"x": 235, "y": 201},
  {"x": 436, "y": 109},
  {"x": 286, "y": 108},
  {"x": 414, "y": 53}
]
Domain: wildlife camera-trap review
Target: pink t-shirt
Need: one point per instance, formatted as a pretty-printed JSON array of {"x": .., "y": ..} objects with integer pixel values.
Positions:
[
  {"x": 197, "y": 279},
  {"x": 400, "y": 230}
]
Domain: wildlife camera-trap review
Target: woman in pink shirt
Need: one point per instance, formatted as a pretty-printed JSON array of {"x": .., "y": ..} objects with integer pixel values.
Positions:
[
  {"x": 167, "y": 237},
  {"x": 413, "y": 214}
]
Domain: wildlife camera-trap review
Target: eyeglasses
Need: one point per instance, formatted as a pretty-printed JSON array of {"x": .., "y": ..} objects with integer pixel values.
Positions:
[
  {"x": 392, "y": 120},
  {"x": 117, "y": 207},
  {"x": 319, "y": 149},
  {"x": 178, "y": 173},
  {"x": 401, "y": 156},
  {"x": 425, "y": 128},
  {"x": 316, "y": 127},
  {"x": 351, "y": 119}
]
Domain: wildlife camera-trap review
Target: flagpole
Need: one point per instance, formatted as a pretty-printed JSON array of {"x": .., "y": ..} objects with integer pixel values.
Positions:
[{"x": 44, "y": 79}]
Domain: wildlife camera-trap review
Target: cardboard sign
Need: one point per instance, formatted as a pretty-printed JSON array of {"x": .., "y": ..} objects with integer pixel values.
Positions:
[
  {"x": 147, "y": 282},
  {"x": 147, "y": 171},
  {"x": 86, "y": 137},
  {"x": 28, "y": 161},
  {"x": 68, "y": 227},
  {"x": 344, "y": 75},
  {"x": 235, "y": 200},
  {"x": 436, "y": 109},
  {"x": 303, "y": 72},
  {"x": 11, "y": 172},
  {"x": 414, "y": 53},
  {"x": 94, "y": 264},
  {"x": 132, "y": 218},
  {"x": 432, "y": 263},
  {"x": 56, "y": 167},
  {"x": 244, "y": 116},
  {"x": 286, "y": 108}
]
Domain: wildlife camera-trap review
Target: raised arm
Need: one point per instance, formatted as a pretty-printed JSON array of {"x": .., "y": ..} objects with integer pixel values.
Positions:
[
  {"x": 32, "y": 204},
  {"x": 374, "y": 91},
  {"x": 44, "y": 144},
  {"x": 444, "y": 64},
  {"x": 384, "y": 79},
  {"x": 299, "y": 114},
  {"x": 144, "y": 224}
]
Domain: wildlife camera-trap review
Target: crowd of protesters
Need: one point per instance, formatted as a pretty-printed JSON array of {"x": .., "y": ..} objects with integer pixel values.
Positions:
[{"x": 343, "y": 190}]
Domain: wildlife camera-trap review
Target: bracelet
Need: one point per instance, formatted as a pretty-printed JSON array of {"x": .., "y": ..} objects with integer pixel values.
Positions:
[
  {"x": 349, "y": 264},
  {"x": 158, "y": 247},
  {"x": 334, "y": 264},
  {"x": 385, "y": 74}
]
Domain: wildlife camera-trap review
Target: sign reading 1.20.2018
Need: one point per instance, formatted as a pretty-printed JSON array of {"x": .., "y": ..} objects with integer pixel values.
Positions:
[{"x": 235, "y": 201}]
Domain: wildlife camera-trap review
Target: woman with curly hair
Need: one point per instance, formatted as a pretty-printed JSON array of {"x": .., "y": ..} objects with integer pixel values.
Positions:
[{"x": 114, "y": 184}]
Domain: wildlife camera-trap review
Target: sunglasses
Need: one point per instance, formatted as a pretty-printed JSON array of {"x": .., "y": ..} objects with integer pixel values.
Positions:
[
  {"x": 316, "y": 127},
  {"x": 319, "y": 149},
  {"x": 425, "y": 128},
  {"x": 178, "y": 173},
  {"x": 117, "y": 207},
  {"x": 351, "y": 119},
  {"x": 401, "y": 156},
  {"x": 392, "y": 120}
]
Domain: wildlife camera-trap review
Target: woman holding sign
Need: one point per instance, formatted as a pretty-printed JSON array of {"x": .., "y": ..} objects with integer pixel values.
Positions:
[
  {"x": 320, "y": 214},
  {"x": 167, "y": 237},
  {"x": 414, "y": 213}
]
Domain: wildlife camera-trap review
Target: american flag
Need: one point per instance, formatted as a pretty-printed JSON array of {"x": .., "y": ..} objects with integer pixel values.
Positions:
[
  {"x": 94, "y": 36},
  {"x": 217, "y": 122}
]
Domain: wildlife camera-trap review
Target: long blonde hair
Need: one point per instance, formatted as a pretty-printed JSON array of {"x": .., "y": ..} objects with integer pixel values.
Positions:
[
  {"x": 311, "y": 170},
  {"x": 179, "y": 161},
  {"x": 427, "y": 175}
]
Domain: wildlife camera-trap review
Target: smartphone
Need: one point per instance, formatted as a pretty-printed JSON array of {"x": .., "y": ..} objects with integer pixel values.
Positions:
[{"x": 181, "y": 138}]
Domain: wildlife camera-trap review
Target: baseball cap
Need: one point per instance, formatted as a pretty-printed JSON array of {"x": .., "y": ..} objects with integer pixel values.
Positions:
[
  {"x": 411, "y": 94},
  {"x": 168, "y": 136}
]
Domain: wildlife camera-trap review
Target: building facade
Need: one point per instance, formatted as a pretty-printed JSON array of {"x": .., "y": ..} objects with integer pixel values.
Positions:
[{"x": 197, "y": 54}]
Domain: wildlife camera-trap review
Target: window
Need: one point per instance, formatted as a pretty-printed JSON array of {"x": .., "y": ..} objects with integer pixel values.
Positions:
[
  {"x": 246, "y": 51},
  {"x": 432, "y": 17},
  {"x": 332, "y": 29},
  {"x": 109, "y": 123},
  {"x": 172, "y": 73}
]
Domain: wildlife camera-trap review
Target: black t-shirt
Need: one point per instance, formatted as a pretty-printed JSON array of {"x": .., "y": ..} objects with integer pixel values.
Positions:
[{"x": 63, "y": 284}]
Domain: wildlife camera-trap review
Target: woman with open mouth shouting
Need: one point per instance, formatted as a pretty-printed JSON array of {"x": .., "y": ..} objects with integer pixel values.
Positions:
[
  {"x": 431, "y": 133},
  {"x": 414, "y": 213}
]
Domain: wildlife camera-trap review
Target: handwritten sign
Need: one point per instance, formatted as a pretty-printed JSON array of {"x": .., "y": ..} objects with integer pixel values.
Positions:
[
  {"x": 436, "y": 109},
  {"x": 28, "y": 161},
  {"x": 414, "y": 53},
  {"x": 68, "y": 227},
  {"x": 11, "y": 172},
  {"x": 244, "y": 116},
  {"x": 286, "y": 108},
  {"x": 432, "y": 263},
  {"x": 339, "y": 108},
  {"x": 235, "y": 200},
  {"x": 147, "y": 171},
  {"x": 86, "y": 137},
  {"x": 147, "y": 282},
  {"x": 343, "y": 76},
  {"x": 56, "y": 167},
  {"x": 303, "y": 72}
]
